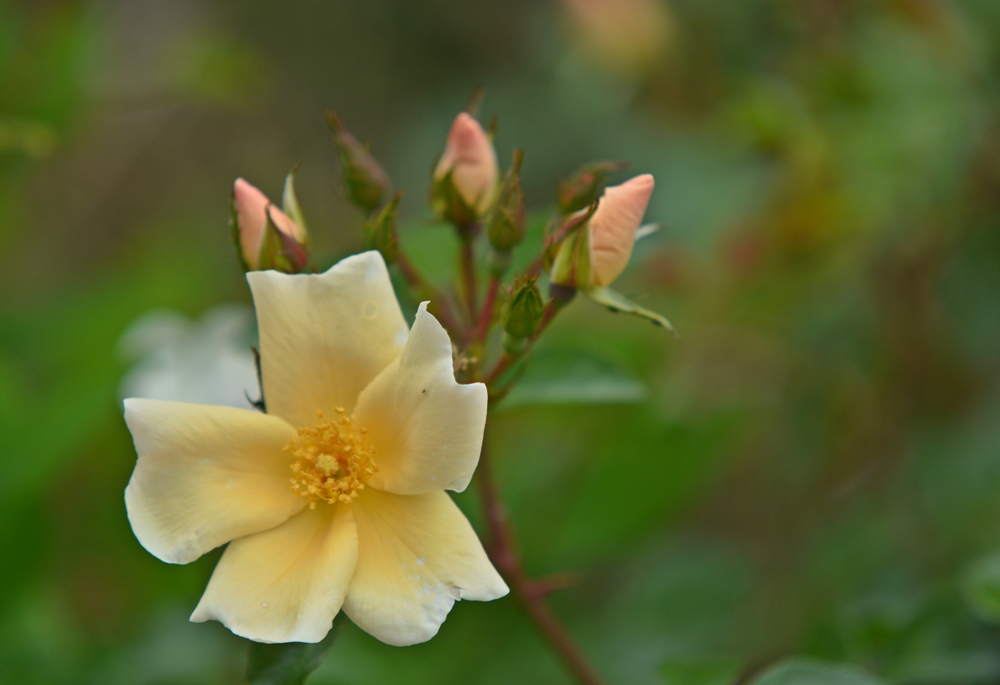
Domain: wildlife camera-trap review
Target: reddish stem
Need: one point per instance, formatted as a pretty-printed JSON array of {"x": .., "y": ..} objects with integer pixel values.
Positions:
[
  {"x": 425, "y": 289},
  {"x": 487, "y": 312},
  {"x": 504, "y": 554},
  {"x": 467, "y": 268}
]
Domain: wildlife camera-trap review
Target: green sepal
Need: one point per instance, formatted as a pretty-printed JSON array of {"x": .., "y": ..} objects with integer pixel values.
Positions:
[
  {"x": 449, "y": 204},
  {"x": 559, "y": 228},
  {"x": 290, "y": 206},
  {"x": 289, "y": 663},
  {"x": 380, "y": 231},
  {"x": 617, "y": 302},
  {"x": 571, "y": 265},
  {"x": 281, "y": 252}
]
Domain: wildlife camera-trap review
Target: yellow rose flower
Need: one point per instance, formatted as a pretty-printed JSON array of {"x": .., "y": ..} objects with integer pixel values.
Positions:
[{"x": 335, "y": 498}]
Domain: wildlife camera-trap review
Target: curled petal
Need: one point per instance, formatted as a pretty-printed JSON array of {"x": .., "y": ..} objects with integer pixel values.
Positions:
[
  {"x": 613, "y": 227},
  {"x": 324, "y": 337},
  {"x": 285, "y": 584},
  {"x": 426, "y": 428},
  {"x": 417, "y": 555},
  {"x": 205, "y": 475}
]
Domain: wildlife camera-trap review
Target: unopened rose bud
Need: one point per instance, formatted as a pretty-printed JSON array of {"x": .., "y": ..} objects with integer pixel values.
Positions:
[
  {"x": 380, "y": 231},
  {"x": 465, "y": 179},
  {"x": 364, "y": 179},
  {"x": 266, "y": 238},
  {"x": 597, "y": 253},
  {"x": 523, "y": 309},
  {"x": 508, "y": 222},
  {"x": 585, "y": 185},
  {"x": 613, "y": 226}
]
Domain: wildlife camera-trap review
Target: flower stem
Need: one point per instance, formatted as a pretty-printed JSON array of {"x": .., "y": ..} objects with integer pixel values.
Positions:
[
  {"x": 529, "y": 593},
  {"x": 425, "y": 289},
  {"x": 467, "y": 269},
  {"x": 487, "y": 312}
]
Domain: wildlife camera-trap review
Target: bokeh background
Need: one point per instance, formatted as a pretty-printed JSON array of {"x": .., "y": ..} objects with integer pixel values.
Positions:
[{"x": 813, "y": 469}]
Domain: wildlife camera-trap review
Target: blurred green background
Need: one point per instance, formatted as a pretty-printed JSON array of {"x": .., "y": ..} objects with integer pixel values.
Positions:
[{"x": 813, "y": 469}]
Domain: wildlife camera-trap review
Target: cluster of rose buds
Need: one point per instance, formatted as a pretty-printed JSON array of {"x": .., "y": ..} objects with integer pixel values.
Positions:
[{"x": 587, "y": 248}]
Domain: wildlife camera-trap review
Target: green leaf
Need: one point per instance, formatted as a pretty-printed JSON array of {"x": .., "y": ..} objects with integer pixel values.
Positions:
[
  {"x": 289, "y": 663},
  {"x": 700, "y": 671},
  {"x": 560, "y": 378},
  {"x": 617, "y": 302},
  {"x": 981, "y": 587},
  {"x": 807, "y": 672}
]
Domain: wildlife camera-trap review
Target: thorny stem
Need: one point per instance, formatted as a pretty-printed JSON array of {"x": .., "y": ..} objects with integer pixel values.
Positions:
[
  {"x": 425, "y": 289},
  {"x": 487, "y": 312},
  {"x": 530, "y": 593}
]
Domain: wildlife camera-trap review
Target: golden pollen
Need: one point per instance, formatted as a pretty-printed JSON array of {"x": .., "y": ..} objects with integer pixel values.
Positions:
[{"x": 332, "y": 461}]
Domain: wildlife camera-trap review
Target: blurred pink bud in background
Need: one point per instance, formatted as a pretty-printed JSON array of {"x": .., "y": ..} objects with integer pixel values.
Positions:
[{"x": 622, "y": 35}]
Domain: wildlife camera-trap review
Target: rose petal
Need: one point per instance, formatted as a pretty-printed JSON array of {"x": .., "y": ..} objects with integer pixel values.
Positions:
[
  {"x": 324, "y": 337},
  {"x": 613, "y": 227},
  {"x": 286, "y": 584},
  {"x": 417, "y": 555},
  {"x": 426, "y": 429},
  {"x": 205, "y": 475}
]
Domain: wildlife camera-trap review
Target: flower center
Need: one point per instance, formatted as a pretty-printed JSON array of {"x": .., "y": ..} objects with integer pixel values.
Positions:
[{"x": 332, "y": 462}]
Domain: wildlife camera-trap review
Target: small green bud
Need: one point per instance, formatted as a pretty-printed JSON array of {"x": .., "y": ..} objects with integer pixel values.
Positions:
[
  {"x": 585, "y": 185},
  {"x": 365, "y": 180},
  {"x": 523, "y": 309},
  {"x": 380, "y": 231},
  {"x": 568, "y": 257},
  {"x": 508, "y": 222}
]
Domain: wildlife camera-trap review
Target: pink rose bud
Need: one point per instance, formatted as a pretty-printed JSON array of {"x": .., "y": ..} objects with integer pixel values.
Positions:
[
  {"x": 253, "y": 213},
  {"x": 613, "y": 226},
  {"x": 470, "y": 158},
  {"x": 596, "y": 253}
]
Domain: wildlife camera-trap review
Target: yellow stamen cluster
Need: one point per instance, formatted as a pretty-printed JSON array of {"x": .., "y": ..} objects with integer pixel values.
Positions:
[{"x": 332, "y": 462}]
